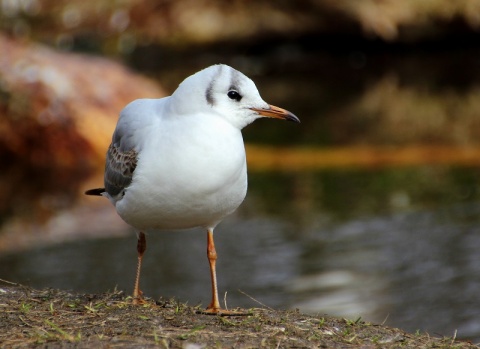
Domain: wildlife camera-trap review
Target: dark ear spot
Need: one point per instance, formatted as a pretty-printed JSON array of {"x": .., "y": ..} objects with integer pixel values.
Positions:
[
  {"x": 209, "y": 91},
  {"x": 209, "y": 94}
]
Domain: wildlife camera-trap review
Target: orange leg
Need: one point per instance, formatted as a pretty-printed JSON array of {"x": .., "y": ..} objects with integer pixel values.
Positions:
[
  {"x": 214, "y": 307},
  {"x": 141, "y": 247}
]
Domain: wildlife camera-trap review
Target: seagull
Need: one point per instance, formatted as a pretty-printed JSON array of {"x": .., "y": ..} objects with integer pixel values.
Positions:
[{"x": 179, "y": 162}]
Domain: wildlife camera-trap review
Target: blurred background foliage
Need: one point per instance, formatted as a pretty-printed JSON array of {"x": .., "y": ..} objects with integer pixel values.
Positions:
[{"x": 117, "y": 26}]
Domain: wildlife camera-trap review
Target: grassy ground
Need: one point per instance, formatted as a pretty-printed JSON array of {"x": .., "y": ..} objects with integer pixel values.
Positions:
[{"x": 58, "y": 319}]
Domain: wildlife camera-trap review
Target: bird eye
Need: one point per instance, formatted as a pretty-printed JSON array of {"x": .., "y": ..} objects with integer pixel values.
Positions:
[{"x": 232, "y": 94}]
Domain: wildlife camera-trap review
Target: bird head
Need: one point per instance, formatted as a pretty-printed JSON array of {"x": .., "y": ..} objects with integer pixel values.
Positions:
[{"x": 227, "y": 92}]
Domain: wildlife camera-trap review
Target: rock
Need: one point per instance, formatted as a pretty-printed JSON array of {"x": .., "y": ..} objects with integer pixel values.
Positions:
[
  {"x": 57, "y": 114},
  {"x": 60, "y": 109}
]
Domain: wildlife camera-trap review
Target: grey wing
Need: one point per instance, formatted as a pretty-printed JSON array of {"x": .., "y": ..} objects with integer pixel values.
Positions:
[
  {"x": 119, "y": 169},
  {"x": 127, "y": 141}
]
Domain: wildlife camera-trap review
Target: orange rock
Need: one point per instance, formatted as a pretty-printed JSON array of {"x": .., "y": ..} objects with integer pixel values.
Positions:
[
  {"x": 60, "y": 109},
  {"x": 57, "y": 114}
]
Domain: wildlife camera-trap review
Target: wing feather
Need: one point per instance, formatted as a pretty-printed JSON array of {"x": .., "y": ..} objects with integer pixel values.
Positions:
[
  {"x": 127, "y": 142},
  {"x": 119, "y": 169}
]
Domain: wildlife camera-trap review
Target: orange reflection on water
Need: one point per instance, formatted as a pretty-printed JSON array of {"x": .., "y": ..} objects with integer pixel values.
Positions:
[{"x": 265, "y": 158}]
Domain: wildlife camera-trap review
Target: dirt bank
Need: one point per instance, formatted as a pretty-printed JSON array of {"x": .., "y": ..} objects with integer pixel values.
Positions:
[{"x": 58, "y": 319}]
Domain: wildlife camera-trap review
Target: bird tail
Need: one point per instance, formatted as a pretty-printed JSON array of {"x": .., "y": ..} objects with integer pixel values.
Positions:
[{"x": 96, "y": 191}]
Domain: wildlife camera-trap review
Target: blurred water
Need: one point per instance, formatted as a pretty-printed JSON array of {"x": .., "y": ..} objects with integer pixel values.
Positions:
[{"x": 414, "y": 266}]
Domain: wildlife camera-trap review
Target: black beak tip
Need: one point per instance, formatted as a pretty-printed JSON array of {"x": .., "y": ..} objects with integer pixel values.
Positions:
[{"x": 293, "y": 118}]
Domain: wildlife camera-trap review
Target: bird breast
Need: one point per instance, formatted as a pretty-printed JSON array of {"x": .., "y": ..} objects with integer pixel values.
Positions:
[{"x": 193, "y": 179}]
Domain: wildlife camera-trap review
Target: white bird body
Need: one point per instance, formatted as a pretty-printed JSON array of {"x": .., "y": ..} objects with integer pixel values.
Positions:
[
  {"x": 191, "y": 170},
  {"x": 179, "y": 162}
]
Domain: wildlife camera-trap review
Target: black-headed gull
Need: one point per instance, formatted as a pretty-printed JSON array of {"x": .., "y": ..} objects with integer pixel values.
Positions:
[{"x": 179, "y": 162}]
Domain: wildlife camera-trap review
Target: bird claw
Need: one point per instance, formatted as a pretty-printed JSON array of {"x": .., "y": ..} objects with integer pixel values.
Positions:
[
  {"x": 138, "y": 301},
  {"x": 137, "y": 298}
]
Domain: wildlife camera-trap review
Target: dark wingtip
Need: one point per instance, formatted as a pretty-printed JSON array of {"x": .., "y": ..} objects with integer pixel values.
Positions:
[{"x": 96, "y": 191}]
